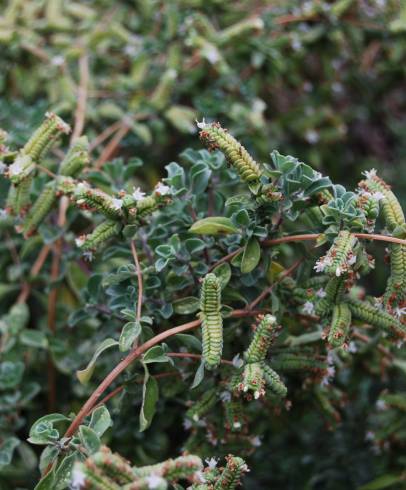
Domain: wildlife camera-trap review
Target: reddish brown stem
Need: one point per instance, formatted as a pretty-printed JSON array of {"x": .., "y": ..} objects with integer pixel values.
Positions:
[
  {"x": 80, "y": 113},
  {"x": 108, "y": 152},
  {"x": 35, "y": 270},
  {"x": 129, "y": 359},
  {"x": 270, "y": 288}
]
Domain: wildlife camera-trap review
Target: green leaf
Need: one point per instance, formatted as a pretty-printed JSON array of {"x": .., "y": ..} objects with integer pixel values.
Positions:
[
  {"x": 383, "y": 481},
  {"x": 129, "y": 334},
  {"x": 48, "y": 457},
  {"x": 155, "y": 354},
  {"x": 7, "y": 449},
  {"x": 100, "y": 420},
  {"x": 34, "y": 338},
  {"x": 89, "y": 439},
  {"x": 186, "y": 306},
  {"x": 150, "y": 395},
  {"x": 190, "y": 341},
  {"x": 198, "y": 376},
  {"x": 43, "y": 431},
  {"x": 47, "y": 482},
  {"x": 223, "y": 272},
  {"x": 214, "y": 226},
  {"x": 85, "y": 375},
  {"x": 251, "y": 256},
  {"x": 11, "y": 374},
  {"x": 194, "y": 245},
  {"x": 63, "y": 473}
]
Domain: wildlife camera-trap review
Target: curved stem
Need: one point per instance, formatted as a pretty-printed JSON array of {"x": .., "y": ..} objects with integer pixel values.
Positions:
[
  {"x": 187, "y": 355},
  {"x": 139, "y": 277},
  {"x": 315, "y": 236},
  {"x": 129, "y": 359}
]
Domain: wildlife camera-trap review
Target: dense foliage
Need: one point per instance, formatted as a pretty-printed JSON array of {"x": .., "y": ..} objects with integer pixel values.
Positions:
[{"x": 224, "y": 305}]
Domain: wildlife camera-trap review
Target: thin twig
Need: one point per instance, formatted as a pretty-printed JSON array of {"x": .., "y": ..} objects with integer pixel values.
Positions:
[
  {"x": 129, "y": 359},
  {"x": 226, "y": 258},
  {"x": 35, "y": 270},
  {"x": 266, "y": 291},
  {"x": 112, "y": 146},
  {"x": 139, "y": 278},
  {"x": 315, "y": 236},
  {"x": 104, "y": 135},
  {"x": 80, "y": 113}
]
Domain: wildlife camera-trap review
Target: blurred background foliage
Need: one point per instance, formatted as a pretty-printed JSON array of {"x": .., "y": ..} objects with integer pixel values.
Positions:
[{"x": 321, "y": 80}]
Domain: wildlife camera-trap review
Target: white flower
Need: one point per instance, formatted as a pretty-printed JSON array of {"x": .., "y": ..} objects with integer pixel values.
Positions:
[
  {"x": 352, "y": 347},
  {"x": 321, "y": 293},
  {"x": 88, "y": 255},
  {"x": 3, "y": 167},
  {"x": 58, "y": 60},
  {"x": 80, "y": 241},
  {"x": 237, "y": 361},
  {"x": 201, "y": 125},
  {"x": 331, "y": 370},
  {"x": 211, "y": 53},
  {"x": 211, "y": 463},
  {"x": 256, "y": 441},
  {"x": 312, "y": 136},
  {"x": 296, "y": 44},
  {"x": 338, "y": 271},
  {"x": 162, "y": 189},
  {"x": 319, "y": 266},
  {"x": 117, "y": 203},
  {"x": 138, "y": 194},
  {"x": 225, "y": 396},
  {"x": 16, "y": 168},
  {"x": 369, "y": 174},
  {"x": 3, "y": 213},
  {"x": 187, "y": 424},
  {"x": 78, "y": 479},
  {"x": 81, "y": 187},
  {"x": 308, "y": 308},
  {"x": 352, "y": 260},
  {"x": 199, "y": 477},
  {"x": 381, "y": 405},
  {"x": 399, "y": 312},
  {"x": 370, "y": 436},
  {"x": 378, "y": 196},
  {"x": 154, "y": 481}
]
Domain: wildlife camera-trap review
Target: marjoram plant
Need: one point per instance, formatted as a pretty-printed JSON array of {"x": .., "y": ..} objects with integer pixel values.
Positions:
[{"x": 263, "y": 261}]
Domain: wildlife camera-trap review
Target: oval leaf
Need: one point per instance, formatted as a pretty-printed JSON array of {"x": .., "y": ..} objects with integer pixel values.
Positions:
[
  {"x": 214, "y": 226},
  {"x": 251, "y": 256},
  {"x": 85, "y": 375}
]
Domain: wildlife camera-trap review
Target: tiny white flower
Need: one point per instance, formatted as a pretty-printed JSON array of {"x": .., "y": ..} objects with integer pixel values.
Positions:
[
  {"x": 399, "y": 312},
  {"x": 3, "y": 167},
  {"x": 381, "y": 405},
  {"x": 237, "y": 361},
  {"x": 211, "y": 463},
  {"x": 199, "y": 477},
  {"x": 58, "y": 60},
  {"x": 296, "y": 44},
  {"x": 154, "y": 481},
  {"x": 338, "y": 271},
  {"x": 225, "y": 396},
  {"x": 352, "y": 260},
  {"x": 78, "y": 479},
  {"x": 378, "y": 196},
  {"x": 88, "y": 255},
  {"x": 369, "y": 173},
  {"x": 308, "y": 308},
  {"x": 117, "y": 203},
  {"x": 256, "y": 441},
  {"x": 187, "y": 424},
  {"x": 80, "y": 188},
  {"x": 319, "y": 266},
  {"x": 245, "y": 468},
  {"x": 202, "y": 124},
  {"x": 312, "y": 136},
  {"x": 211, "y": 53},
  {"x": 162, "y": 189},
  {"x": 370, "y": 436},
  {"x": 3, "y": 213},
  {"x": 352, "y": 347},
  {"x": 80, "y": 241},
  {"x": 321, "y": 293},
  {"x": 16, "y": 168},
  {"x": 337, "y": 88},
  {"x": 138, "y": 194},
  {"x": 331, "y": 370},
  {"x": 257, "y": 394}
]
